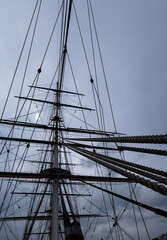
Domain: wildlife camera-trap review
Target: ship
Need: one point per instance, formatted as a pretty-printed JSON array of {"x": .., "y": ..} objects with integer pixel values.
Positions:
[{"x": 67, "y": 172}]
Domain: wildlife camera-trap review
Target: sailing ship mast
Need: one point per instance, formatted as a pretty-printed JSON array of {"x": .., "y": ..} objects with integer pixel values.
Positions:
[
  {"x": 53, "y": 199},
  {"x": 55, "y": 208}
]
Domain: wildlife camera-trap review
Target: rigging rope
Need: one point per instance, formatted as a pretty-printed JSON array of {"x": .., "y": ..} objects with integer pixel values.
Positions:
[
  {"x": 155, "y": 210},
  {"x": 155, "y": 139},
  {"x": 18, "y": 62},
  {"x": 139, "y": 166},
  {"x": 143, "y": 150},
  {"x": 35, "y": 81},
  {"x": 153, "y": 185},
  {"x": 104, "y": 157},
  {"x": 102, "y": 64}
]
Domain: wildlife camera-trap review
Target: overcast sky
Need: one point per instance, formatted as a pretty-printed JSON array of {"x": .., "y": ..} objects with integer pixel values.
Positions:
[{"x": 133, "y": 40}]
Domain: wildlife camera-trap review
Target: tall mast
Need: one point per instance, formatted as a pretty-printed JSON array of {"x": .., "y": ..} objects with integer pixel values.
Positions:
[
  {"x": 55, "y": 207},
  {"x": 55, "y": 197}
]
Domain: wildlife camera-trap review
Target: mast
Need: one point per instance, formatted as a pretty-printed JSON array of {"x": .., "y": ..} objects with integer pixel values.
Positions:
[
  {"x": 42, "y": 187},
  {"x": 55, "y": 197},
  {"x": 55, "y": 211}
]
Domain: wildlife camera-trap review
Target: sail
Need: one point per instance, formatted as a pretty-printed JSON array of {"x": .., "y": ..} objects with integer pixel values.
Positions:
[{"x": 75, "y": 161}]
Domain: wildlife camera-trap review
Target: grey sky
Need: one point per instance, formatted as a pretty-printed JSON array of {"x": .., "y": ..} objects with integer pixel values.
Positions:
[{"x": 133, "y": 40}]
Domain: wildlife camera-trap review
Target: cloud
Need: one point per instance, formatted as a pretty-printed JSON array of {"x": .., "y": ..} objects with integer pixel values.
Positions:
[{"x": 133, "y": 41}]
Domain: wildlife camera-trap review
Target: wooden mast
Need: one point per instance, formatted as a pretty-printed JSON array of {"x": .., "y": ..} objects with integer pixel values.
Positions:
[
  {"x": 55, "y": 207},
  {"x": 55, "y": 212}
]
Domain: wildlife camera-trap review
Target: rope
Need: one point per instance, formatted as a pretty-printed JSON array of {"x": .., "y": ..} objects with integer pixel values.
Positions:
[
  {"x": 28, "y": 57},
  {"x": 83, "y": 45},
  {"x": 155, "y": 210},
  {"x": 141, "y": 215},
  {"x": 144, "y": 150},
  {"x": 134, "y": 213},
  {"x": 121, "y": 164},
  {"x": 102, "y": 64},
  {"x": 149, "y": 169},
  {"x": 156, "y": 139},
  {"x": 18, "y": 62},
  {"x": 147, "y": 183}
]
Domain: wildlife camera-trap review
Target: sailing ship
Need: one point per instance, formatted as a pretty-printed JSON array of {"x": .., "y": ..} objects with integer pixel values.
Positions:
[{"x": 65, "y": 172}]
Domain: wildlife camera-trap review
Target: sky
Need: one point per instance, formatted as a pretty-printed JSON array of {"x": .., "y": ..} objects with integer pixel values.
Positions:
[
  {"x": 136, "y": 46},
  {"x": 132, "y": 36}
]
